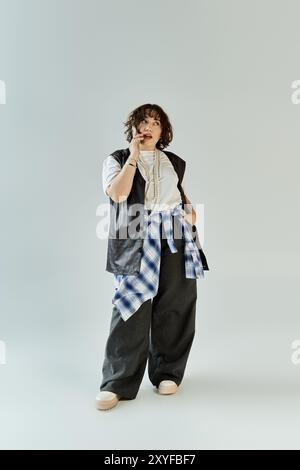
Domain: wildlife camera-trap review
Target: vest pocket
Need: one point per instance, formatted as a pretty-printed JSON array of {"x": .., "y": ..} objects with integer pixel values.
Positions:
[{"x": 124, "y": 255}]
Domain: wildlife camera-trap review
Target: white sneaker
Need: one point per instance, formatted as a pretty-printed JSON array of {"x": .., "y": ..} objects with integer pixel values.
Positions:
[
  {"x": 106, "y": 400},
  {"x": 167, "y": 387}
]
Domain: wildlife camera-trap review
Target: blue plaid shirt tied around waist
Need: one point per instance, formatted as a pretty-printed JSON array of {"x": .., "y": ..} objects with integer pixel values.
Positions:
[{"x": 132, "y": 290}]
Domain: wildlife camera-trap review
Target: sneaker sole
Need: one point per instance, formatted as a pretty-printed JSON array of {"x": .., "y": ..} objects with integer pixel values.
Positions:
[
  {"x": 106, "y": 405},
  {"x": 167, "y": 390}
]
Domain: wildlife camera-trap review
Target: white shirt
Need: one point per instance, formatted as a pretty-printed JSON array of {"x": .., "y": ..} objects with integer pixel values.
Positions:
[{"x": 162, "y": 184}]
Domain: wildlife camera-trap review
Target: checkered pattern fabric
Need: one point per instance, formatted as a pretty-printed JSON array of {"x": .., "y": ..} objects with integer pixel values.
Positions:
[{"x": 132, "y": 290}]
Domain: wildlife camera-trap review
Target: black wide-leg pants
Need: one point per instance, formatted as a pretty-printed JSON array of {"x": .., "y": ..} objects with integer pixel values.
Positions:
[{"x": 160, "y": 331}]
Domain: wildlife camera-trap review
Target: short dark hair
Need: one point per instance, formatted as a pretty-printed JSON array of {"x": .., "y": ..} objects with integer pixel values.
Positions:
[{"x": 155, "y": 111}]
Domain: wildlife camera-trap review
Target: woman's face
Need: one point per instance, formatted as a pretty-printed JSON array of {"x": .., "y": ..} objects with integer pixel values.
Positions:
[{"x": 151, "y": 128}]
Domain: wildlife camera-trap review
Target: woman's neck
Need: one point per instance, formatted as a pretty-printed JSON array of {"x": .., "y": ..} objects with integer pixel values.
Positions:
[{"x": 148, "y": 149}]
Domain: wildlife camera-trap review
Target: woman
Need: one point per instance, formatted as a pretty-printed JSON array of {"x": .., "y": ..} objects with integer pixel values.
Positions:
[{"x": 155, "y": 275}]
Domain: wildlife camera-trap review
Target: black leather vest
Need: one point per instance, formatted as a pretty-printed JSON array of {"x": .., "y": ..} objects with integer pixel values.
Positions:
[{"x": 124, "y": 250}]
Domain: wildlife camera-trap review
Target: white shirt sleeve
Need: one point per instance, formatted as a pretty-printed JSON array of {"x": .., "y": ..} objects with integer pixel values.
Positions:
[{"x": 111, "y": 167}]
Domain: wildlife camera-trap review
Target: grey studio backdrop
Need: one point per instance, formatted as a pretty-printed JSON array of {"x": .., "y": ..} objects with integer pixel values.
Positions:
[{"x": 223, "y": 71}]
